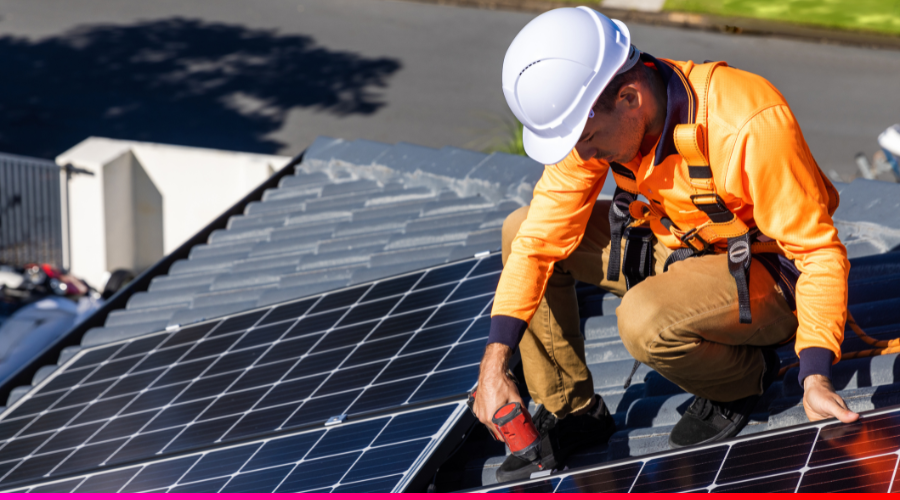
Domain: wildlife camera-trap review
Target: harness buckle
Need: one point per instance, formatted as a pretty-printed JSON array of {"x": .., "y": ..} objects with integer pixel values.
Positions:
[
  {"x": 709, "y": 199},
  {"x": 693, "y": 240}
]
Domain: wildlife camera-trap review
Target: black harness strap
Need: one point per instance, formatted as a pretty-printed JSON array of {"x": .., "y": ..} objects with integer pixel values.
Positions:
[
  {"x": 677, "y": 256},
  {"x": 739, "y": 254},
  {"x": 717, "y": 211},
  {"x": 680, "y": 253},
  {"x": 637, "y": 262},
  {"x": 739, "y": 265},
  {"x": 619, "y": 217}
]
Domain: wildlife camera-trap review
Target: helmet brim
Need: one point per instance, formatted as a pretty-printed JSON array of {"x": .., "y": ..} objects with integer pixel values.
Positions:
[{"x": 551, "y": 151}]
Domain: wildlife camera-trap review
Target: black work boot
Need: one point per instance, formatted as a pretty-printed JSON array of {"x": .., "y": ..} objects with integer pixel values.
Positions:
[
  {"x": 707, "y": 421},
  {"x": 559, "y": 438}
]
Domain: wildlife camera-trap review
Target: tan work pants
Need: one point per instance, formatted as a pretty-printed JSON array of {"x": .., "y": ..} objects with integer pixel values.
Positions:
[{"x": 684, "y": 324}]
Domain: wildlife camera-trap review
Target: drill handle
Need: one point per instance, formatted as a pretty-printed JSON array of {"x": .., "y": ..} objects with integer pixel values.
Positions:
[{"x": 495, "y": 432}]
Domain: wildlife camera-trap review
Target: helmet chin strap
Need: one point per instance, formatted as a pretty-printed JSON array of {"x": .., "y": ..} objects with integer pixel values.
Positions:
[{"x": 633, "y": 56}]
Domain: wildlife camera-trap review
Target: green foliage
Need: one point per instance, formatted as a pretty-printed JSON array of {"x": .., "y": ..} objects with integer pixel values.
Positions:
[
  {"x": 867, "y": 15},
  {"x": 512, "y": 143}
]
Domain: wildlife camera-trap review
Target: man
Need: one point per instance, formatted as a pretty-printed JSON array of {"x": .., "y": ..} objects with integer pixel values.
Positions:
[{"x": 724, "y": 166}]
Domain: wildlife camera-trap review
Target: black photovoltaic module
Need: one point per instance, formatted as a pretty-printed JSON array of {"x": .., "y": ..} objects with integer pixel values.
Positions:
[
  {"x": 814, "y": 458},
  {"x": 375, "y": 454},
  {"x": 366, "y": 350}
]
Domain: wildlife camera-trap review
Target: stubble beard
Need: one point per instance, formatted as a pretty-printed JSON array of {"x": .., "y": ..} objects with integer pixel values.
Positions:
[{"x": 631, "y": 135}]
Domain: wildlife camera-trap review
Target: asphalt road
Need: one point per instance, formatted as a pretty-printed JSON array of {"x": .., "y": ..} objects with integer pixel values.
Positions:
[{"x": 271, "y": 75}]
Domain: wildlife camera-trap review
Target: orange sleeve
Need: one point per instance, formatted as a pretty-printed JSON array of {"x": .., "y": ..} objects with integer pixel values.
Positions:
[
  {"x": 563, "y": 200},
  {"x": 790, "y": 204}
]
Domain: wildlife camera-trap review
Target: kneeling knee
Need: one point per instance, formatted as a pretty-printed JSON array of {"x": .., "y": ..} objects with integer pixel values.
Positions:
[{"x": 638, "y": 321}]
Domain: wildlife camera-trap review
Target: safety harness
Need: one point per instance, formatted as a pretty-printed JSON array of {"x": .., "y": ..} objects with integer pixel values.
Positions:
[{"x": 627, "y": 216}]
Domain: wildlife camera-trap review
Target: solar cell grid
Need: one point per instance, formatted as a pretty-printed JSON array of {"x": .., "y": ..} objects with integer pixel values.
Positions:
[
  {"x": 614, "y": 480},
  {"x": 785, "y": 483},
  {"x": 376, "y": 454},
  {"x": 823, "y": 457},
  {"x": 871, "y": 475},
  {"x": 877, "y": 436},
  {"x": 348, "y": 352},
  {"x": 765, "y": 456},
  {"x": 544, "y": 486}
]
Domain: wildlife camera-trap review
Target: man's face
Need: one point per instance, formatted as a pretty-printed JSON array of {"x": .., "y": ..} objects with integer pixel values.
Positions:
[{"x": 614, "y": 136}]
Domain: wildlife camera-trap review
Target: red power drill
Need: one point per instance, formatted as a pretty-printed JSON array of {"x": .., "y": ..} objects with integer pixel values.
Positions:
[{"x": 513, "y": 426}]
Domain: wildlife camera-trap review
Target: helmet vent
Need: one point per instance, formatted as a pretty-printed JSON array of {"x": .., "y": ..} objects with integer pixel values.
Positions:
[{"x": 530, "y": 65}]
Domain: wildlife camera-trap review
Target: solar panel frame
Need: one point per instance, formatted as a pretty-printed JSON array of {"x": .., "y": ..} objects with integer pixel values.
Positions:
[
  {"x": 106, "y": 369},
  {"x": 873, "y": 444}
]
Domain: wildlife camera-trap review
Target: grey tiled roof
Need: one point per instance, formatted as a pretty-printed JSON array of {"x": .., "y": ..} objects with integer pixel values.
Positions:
[
  {"x": 868, "y": 220},
  {"x": 353, "y": 211},
  {"x": 869, "y": 217}
]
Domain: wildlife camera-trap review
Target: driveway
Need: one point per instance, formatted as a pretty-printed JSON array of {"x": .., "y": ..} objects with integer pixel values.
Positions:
[{"x": 270, "y": 75}]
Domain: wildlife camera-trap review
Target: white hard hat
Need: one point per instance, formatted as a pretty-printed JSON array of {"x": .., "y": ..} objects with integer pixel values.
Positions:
[{"x": 555, "y": 69}]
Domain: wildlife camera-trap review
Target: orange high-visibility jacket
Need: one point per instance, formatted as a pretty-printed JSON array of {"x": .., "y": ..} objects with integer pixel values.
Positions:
[{"x": 762, "y": 169}]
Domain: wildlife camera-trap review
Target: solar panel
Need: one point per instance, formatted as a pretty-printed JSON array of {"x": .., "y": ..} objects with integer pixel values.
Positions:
[
  {"x": 411, "y": 340},
  {"x": 375, "y": 454},
  {"x": 813, "y": 458}
]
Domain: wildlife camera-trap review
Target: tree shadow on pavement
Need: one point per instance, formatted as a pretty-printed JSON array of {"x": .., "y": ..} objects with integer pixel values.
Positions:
[{"x": 175, "y": 81}]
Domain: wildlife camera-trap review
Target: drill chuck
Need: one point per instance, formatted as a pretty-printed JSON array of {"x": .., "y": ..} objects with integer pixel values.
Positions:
[{"x": 518, "y": 431}]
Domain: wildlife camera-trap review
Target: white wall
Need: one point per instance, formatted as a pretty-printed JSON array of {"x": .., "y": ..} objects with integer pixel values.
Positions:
[
  {"x": 133, "y": 215},
  {"x": 196, "y": 186}
]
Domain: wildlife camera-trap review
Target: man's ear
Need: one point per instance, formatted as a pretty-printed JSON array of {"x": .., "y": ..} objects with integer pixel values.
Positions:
[{"x": 629, "y": 97}]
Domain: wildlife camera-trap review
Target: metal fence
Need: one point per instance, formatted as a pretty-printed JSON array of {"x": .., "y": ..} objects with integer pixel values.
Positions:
[{"x": 31, "y": 224}]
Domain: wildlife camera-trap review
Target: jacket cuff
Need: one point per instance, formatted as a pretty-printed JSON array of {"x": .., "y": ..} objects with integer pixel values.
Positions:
[
  {"x": 815, "y": 361},
  {"x": 506, "y": 330}
]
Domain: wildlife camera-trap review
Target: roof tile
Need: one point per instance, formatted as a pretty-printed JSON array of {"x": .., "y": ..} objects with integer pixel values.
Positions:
[
  {"x": 362, "y": 152},
  {"x": 238, "y": 296},
  {"x": 157, "y": 299},
  {"x": 232, "y": 280},
  {"x": 406, "y": 158}
]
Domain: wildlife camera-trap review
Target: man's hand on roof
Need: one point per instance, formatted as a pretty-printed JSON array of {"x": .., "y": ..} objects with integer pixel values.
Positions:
[
  {"x": 495, "y": 389},
  {"x": 821, "y": 402}
]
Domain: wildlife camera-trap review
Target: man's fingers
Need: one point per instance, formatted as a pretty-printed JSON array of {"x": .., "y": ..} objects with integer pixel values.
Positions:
[
  {"x": 822, "y": 403},
  {"x": 493, "y": 393},
  {"x": 811, "y": 413},
  {"x": 848, "y": 417},
  {"x": 828, "y": 406},
  {"x": 840, "y": 411},
  {"x": 481, "y": 411}
]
